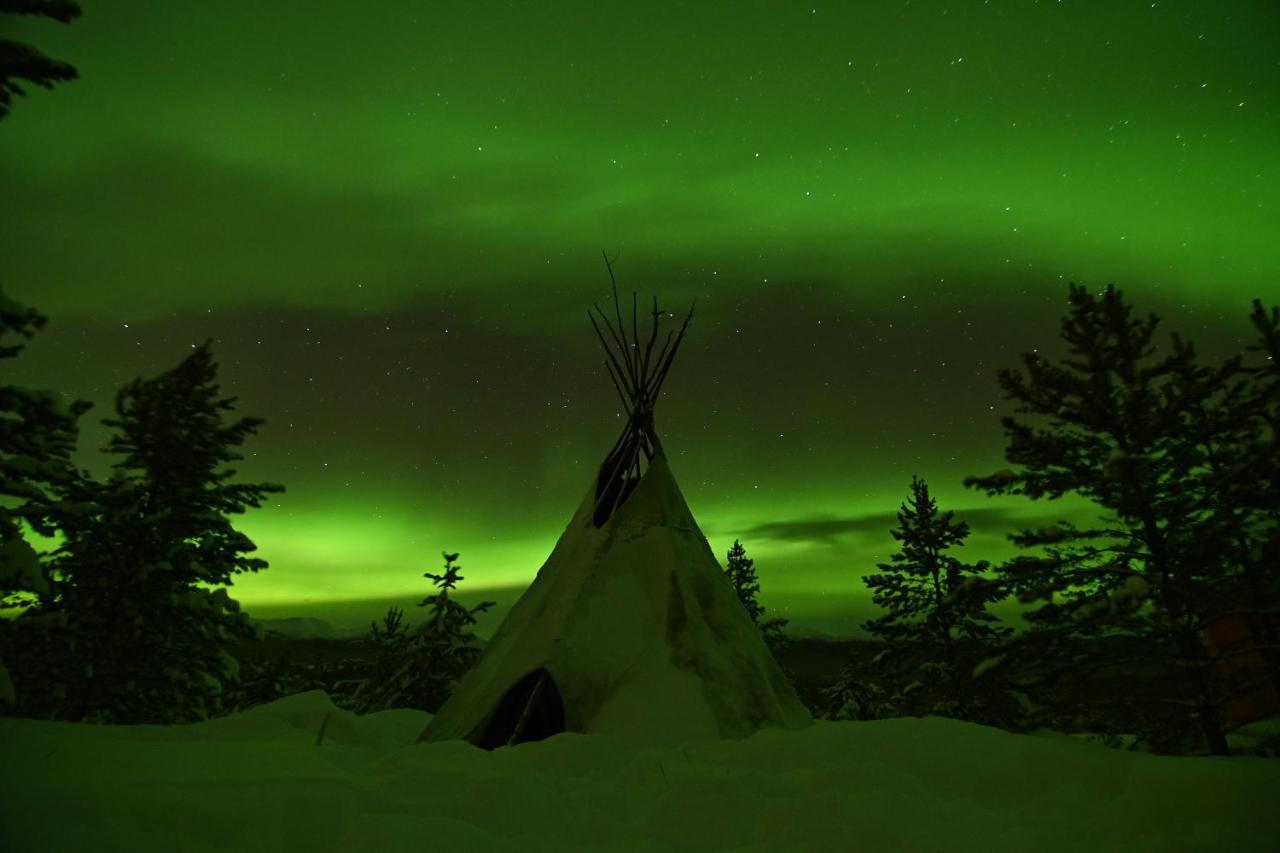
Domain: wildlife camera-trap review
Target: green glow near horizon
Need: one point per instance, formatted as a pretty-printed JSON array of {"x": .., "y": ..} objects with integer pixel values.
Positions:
[{"x": 876, "y": 206}]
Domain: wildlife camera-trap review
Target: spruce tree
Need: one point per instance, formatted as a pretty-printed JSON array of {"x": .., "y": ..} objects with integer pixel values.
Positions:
[
  {"x": 141, "y": 574},
  {"x": 1233, "y": 530},
  {"x": 860, "y": 692},
  {"x": 937, "y": 606},
  {"x": 423, "y": 669},
  {"x": 22, "y": 62},
  {"x": 740, "y": 570},
  {"x": 1260, "y": 497},
  {"x": 387, "y": 643},
  {"x": 1134, "y": 434},
  {"x": 38, "y": 432}
]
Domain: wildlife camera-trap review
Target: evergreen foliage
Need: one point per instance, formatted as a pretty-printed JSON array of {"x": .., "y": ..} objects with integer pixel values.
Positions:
[
  {"x": 1232, "y": 451},
  {"x": 22, "y": 62},
  {"x": 740, "y": 570},
  {"x": 135, "y": 623},
  {"x": 1167, "y": 447},
  {"x": 38, "y": 432},
  {"x": 937, "y": 615},
  {"x": 864, "y": 693},
  {"x": 388, "y": 643},
  {"x": 420, "y": 668}
]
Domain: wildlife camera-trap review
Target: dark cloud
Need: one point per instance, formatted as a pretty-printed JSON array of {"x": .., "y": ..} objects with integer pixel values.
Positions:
[
  {"x": 820, "y": 530},
  {"x": 143, "y": 232},
  {"x": 161, "y": 229}
]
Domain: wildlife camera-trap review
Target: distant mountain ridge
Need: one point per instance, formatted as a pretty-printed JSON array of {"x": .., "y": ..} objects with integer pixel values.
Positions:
[
  {"x": 313, "y": 628},
  {"x": 297, "y": 628}
]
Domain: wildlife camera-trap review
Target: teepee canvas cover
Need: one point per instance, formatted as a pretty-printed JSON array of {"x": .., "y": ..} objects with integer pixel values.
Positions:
[{"x": 631, "y": 627}]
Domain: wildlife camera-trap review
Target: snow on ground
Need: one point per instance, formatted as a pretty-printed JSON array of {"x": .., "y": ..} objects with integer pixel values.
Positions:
[{"x": 260, "y": 781}]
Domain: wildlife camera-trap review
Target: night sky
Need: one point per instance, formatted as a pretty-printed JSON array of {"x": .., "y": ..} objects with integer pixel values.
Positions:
[{"x": 391, "y": 223}]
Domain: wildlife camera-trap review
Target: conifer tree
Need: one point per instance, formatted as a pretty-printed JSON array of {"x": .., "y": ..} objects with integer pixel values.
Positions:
[
  {"x": 1232, "y": 449},
  {"x": 937, "y": 605},
  {"x": 387, "y": 643},
  {"x": 38, "y": 432},
  {"x": 742, "y": 574},
  {"x": 859, "y": 692},
  {"x": 1133, "y": 433},
  {"x": 425, "y": 667},
  {"x": 740, "y": 570},
  {"x": 140, "y": 577},
  {"x": 1259, "y": 544},
  {"x": 22, "y": 62}
]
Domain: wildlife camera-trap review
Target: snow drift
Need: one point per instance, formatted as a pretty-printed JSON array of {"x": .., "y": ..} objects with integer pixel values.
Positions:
[{"x": 300, "y": 774}]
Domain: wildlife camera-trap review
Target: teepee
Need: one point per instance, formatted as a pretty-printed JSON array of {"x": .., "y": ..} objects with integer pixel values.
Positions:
[{"x": 630, "y": 628}]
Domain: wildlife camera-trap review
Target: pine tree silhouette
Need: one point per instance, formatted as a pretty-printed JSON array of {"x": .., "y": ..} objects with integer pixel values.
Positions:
[
  {"x": 740, "y": 570},
  {"x": 38, "y": 432},
  {"x": 937, "y": 605},
  {"x": 422, "y": 669},
  {"x": 139, "y": 579},
  {"x": 1159, "y": 443},
  {"x": 22, "y": 62}
]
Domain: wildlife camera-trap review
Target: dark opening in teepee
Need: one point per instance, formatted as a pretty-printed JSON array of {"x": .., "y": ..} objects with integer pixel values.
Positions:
[
  {"x": 638, "y": 378},
  {"x": 531, "y": 710}
]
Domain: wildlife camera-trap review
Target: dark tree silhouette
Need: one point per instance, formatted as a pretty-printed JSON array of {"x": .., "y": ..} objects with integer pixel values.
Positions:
[
  {"x": 1233, "y": 448},
  {"x": 138, "y": 580},
  {"x": 1116, "y": 429},
  {"x": 937, "y": 606},
  {"x": 387, "y": 643},
  {"x": 741, "y": 572},
  {"x": 1258, "y": 496},
  {"x": 422, "y": 670},
  {"x": 38, "y": 432},
  {"x": 22, "y": 62}
]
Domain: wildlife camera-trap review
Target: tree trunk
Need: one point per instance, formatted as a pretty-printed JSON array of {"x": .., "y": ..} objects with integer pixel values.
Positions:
[{"x": 1191, "y": 650}]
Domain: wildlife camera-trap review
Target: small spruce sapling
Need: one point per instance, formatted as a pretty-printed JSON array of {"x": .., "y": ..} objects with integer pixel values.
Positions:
[
  {"x": 742, "y": 575},
  {"x": 860, "y": 692},
  {"x": 937, "y": 607},
  {"x": 425, "y": 667},
  {"x": 387, "y": 644}
]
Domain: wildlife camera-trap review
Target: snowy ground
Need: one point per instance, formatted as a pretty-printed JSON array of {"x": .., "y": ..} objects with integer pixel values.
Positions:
[{"x": 259, "y": 781}]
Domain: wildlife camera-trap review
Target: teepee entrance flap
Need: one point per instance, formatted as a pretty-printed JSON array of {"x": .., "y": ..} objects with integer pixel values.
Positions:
[{"x": 531, "y": 710}]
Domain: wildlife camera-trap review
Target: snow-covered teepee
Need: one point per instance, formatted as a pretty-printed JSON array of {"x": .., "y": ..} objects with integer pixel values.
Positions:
[{"x": 630, "y": 628}]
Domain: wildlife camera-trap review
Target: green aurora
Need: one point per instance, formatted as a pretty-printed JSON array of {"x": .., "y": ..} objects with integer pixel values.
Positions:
[{"x": 391, "y": 223}]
